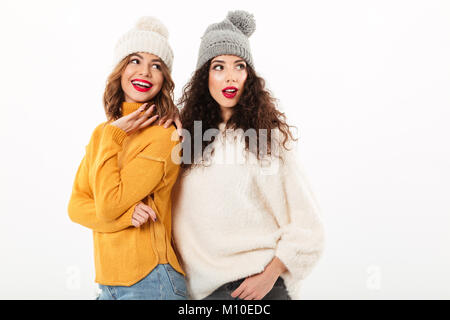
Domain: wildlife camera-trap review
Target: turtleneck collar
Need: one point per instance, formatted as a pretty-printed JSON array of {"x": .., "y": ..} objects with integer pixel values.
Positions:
[{"x": 129, "y": 107}]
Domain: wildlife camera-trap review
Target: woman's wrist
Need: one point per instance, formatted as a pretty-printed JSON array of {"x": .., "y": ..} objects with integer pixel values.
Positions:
[{"x": 276, "y": 267}]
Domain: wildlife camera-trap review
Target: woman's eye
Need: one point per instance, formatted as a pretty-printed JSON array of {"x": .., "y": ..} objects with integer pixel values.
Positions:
[
  {"x": 218, "y": 67},
  {"x": 135, "y": 61},
  {"x": 241, "y": 66},
  {"x": 156, "y": 66}
]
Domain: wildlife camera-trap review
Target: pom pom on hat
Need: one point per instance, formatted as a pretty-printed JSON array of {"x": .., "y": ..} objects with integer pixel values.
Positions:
[
  {"x": 152, "y": 24},
  {"x": 243, "y": 20},
  {"x": 148, "y": 35}
]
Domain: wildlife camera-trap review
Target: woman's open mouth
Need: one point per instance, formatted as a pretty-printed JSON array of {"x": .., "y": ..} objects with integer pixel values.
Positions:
[
  {"x": 141, "y": 85},
  {"x": 230, "y": 92}
]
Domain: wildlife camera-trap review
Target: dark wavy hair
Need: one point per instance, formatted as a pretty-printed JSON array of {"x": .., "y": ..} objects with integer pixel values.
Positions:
[{"x": 256, "y": 109}]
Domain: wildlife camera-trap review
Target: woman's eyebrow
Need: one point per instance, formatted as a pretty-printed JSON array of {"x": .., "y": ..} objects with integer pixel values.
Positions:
[
  {"x": 221, "y": 61},
  {"x": 139, "y": 56}
]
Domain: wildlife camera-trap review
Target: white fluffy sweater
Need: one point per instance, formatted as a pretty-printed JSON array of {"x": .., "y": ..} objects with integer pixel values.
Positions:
[{"x": 232, "y": 217}]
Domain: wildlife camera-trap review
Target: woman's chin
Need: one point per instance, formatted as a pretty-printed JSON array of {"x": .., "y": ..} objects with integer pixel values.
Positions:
[
  {"x": 228, "y": 104},
  {"x": 140, "y": 99}
]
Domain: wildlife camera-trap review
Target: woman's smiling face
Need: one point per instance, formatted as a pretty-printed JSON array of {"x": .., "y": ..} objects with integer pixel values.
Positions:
[
  {"x": 227, "y": 75},
  {"x": 142, "y": 78}
]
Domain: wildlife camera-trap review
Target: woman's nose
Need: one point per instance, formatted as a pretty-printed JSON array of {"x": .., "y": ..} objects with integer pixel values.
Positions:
[
  {"x": 145, "y": 71},
  {"x": 231, "y": 77}
]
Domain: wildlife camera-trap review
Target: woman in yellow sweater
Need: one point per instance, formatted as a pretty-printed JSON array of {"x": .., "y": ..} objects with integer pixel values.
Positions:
[{"x": 123, "y": 185}]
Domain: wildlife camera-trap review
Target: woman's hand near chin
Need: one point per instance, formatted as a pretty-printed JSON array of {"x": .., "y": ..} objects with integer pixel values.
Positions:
[{"x": 136, "y": 120}]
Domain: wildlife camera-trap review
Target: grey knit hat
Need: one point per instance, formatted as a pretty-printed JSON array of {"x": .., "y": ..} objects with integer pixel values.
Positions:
[{"x": 228, "y": 37}]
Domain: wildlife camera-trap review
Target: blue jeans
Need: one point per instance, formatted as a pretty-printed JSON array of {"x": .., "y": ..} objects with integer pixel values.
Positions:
[{"x": 163, "y": 283}]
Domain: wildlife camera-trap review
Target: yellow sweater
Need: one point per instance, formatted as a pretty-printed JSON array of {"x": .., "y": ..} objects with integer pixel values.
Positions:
[{"x": 115, "y": 174}]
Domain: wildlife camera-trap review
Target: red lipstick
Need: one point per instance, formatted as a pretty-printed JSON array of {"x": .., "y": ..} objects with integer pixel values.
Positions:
[
  {"x": 230, "y": 92},
  {"x": 141, "y": 85}
]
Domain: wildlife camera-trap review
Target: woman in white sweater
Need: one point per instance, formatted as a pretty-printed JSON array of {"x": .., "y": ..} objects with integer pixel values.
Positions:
[{"x": 246, "y": 223}]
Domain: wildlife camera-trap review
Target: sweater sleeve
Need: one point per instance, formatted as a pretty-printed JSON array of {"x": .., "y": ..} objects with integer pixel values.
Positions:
[
  {"x": 82, "y": 208},
  {"x": 116, "y": 189},
  {"x": 297, "y": 213}
]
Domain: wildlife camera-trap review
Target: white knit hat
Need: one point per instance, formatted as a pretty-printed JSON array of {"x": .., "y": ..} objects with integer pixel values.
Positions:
[{"x": 149, "y": 35}]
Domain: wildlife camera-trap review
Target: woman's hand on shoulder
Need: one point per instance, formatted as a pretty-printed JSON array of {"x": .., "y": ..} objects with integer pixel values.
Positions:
[
  {"x": 136, "y": 120},
  {"x": 141, "y": 214},
  {"x": 172, "y": 118}
]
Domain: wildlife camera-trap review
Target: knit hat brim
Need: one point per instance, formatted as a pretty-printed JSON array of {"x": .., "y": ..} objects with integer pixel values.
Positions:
[{"x": 224, "y": 48}]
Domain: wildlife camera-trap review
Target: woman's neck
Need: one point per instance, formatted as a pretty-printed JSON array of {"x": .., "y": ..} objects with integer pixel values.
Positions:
[{"x": 226, "y": 113}]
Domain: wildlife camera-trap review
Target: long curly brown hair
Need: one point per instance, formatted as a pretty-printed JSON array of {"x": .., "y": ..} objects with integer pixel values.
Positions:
[
  {"x": 256, "y": 109},
  {"x": 114, "y": 95}
]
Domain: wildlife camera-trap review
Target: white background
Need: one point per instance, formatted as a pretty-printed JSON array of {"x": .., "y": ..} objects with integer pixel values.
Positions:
[{"x": 366, "y": 82}]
